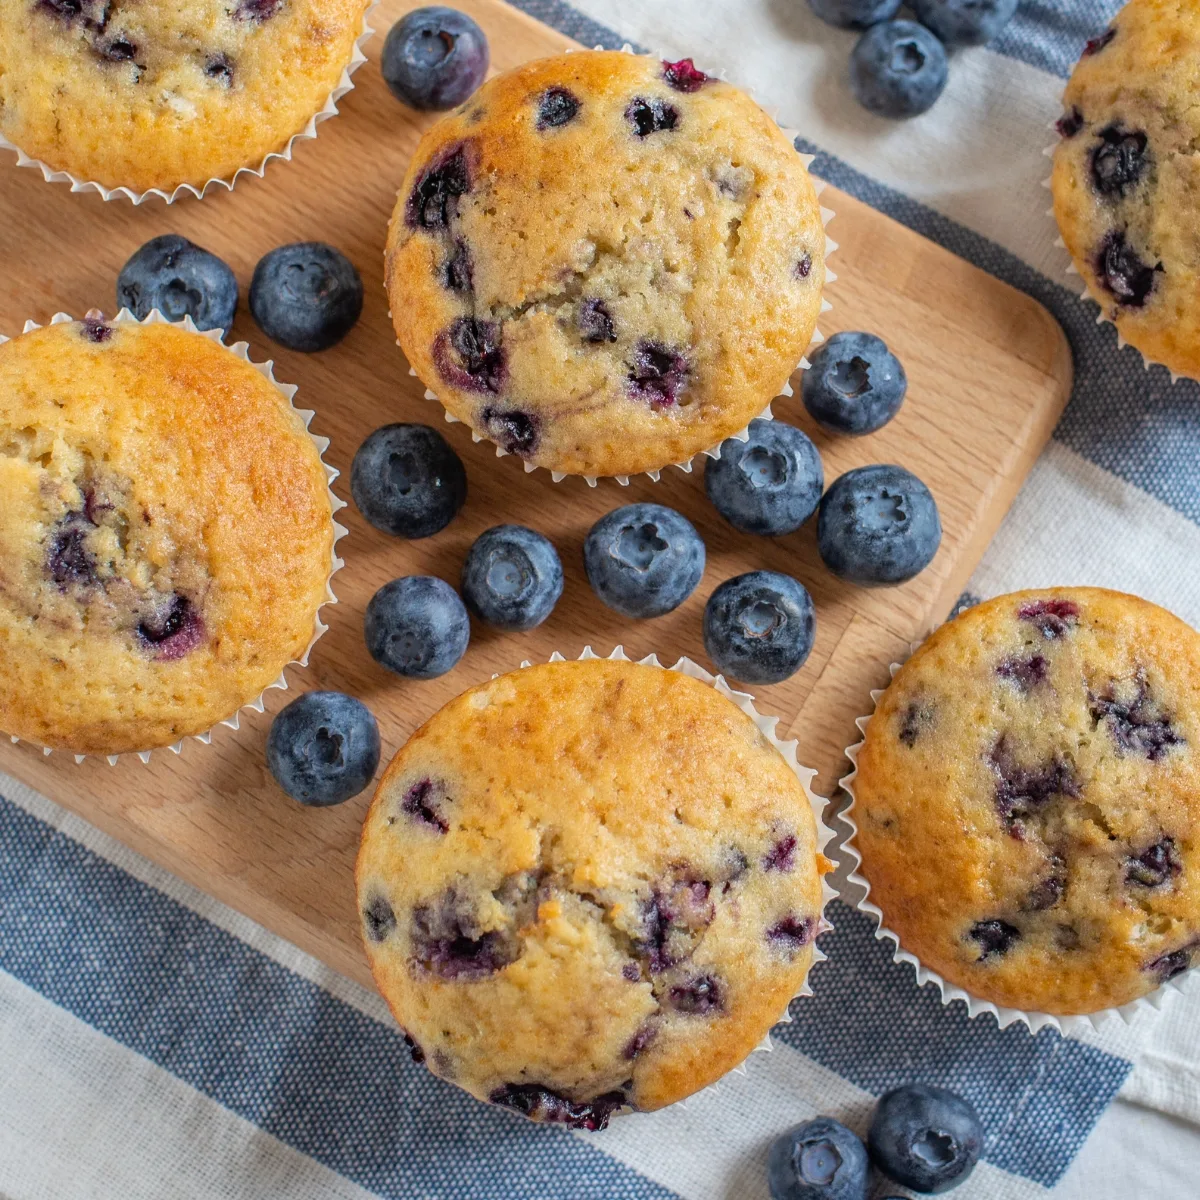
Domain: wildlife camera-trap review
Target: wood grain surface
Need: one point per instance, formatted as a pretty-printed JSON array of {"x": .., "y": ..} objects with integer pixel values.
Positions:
[{"x": 989, "y": 372}]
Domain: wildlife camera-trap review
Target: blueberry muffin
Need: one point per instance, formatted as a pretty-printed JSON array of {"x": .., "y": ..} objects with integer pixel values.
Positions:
[
  {"x": 165, "y": 539},
  {"x": 1126, "y": 178},
  {"x": 606, "y": 263},
  {"x": 159, "y": 93},
  {"x": 588, "y": 886},
  {"x": 1028, "y": 797}
]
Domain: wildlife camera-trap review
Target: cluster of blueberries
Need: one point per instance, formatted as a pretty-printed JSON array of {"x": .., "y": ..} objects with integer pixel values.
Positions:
[
  {"x": 925, "y": 1138},
  {"x": 899, "y": 68}
]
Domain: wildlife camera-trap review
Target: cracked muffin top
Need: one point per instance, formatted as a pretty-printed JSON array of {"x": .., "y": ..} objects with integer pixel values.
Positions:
[
  {"x": 588, "y": 886},
  {"x": 158, "y": 93},
  {"x": 1028, "y": 796},
  {"x": 1126, "y": 177},
  {"x": 165, "y": 538},
  {"x": 606, "y": 263}
]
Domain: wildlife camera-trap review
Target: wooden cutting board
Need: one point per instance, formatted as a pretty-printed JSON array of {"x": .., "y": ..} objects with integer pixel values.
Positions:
[{"x": 989, "y": 373}]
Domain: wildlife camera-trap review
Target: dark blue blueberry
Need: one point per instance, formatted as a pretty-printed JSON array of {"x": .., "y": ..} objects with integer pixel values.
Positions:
[
  {"x": 512, "y": 430},
  {"x": 698, "y": 997},
  {"x": 1070, "y": 123},
  {"x": 512, "y": 577},
  {"x": 878, "y": 526},
  {"x": 1123, "y": 273},
  {"x": 1155, "y": 865},
  {"x": 648, "y": 1031},
  {"x": 556, "y": 106},
  {"x": 643, "y": 559},
  {"x": 819, "y": 1160},
  {"x": 855, "y": 384},
  {"x": 1136, "y": 722},
  {"x": 650, "y": 115},
  {"x": 117, "y": 49},
  {"x": 306, "y": 296},
  {"x": 995, "y": 938},
  {"x": 448, "y": 942},
  {"x": 595, "y": 322},
  {"x": 1022, "y": 791},
  {"x": 926, "y": 1138},
  {"x": 68, "y": 559},
  {"x": 855, "y": 14},
  {"x": 684, "y": 75},
  {"x": 219, "y": 67},
  {"x": 1052, "y": 618},
  {"x": 433, "y": 202},
  {"x": 898, "y": 69},
  {"x": 468, "y": 355},
  {"x": 175, "y": 629},
  {"x": 421, "y": 801},
  {"x": 1049, "y": 890},
  {"x": 256, "y": 10},
  {"x": 458, "y": 271},
  {"x": 417, "y": 626},
  {"x": 782, "y": 854},
  {"x": 1168, "y": 966},
  {"x": 95, "y": 330},
  {"x": 965, "y": 22},
  {"x": 1025, "y": 673},
  {"x": 658, "y": 374},
  {"x": 324, "y": 748},
  {"x": 379, "y": 918},
  {"x": 434, "y": 58},
  {"x": 792, "y": 933},
  {"x": 540, "y": 1103},
  {"x": 759, "y": 627},
  {"x": 770, "y": 484},
  {"x": 408, "y": 481},
  {"x": 1118, "y": 160}
]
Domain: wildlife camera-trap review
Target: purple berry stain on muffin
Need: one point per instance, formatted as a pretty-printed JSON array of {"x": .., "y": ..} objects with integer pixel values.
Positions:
[
  {"x": 219, "y": 67},
  {"x": 915, "y": 719},
  {"x": 650, "y": 115},
  {"x": 95, "y": 330},
  {"x": 1050, "y": 889},
  {"x": 173, "y": 630},
  {"x": 792, "y": 933},
  {"x": 632, "y": 972},
  {"x": 1022, "y": 791},
  {"x": 673, "y": 919},
  {"x": 804, "y": 266},
  {"x": 658, "y": 374},
  {"x": 420, "y": 802},
  {"x": 995, "y": 938},
  {"x": 1096, "y": 44},
  {"x": 379, "y": 918},
  {"x": 684, "y": 75},
  {"x": 782, "y": 855},
  {"x": 698, "y": 997},
  {"x": 434, "y": 199},
  {"x": 115, "y": 50},
  {"x": 595, "y": 322},
  {"x": 1025, "y": 673},
  {"x": 414, "y": 1050},
  {"x": 1123, "y": 273},
  {"x": 468, "y": 355},
  {"x": 1070, "y": 124},
  {"x": 1135, "y": 721},
  {"x": 68, "y": 560},
  {"x": 458, "y": 270},
  {"x": 448, "y": 941},
  {"x": 557, "y": 106},
  {"x": 1154, "y": 866},
  {"x": 257, "y": 10},
  {"x": 541, "y": 1103},
  {"x": 1119, "y": 160},
  {"x": 640, "y": 1040},
  {"x": 512, "y": 430},
  {"x": 1175, "y": 962},
  {"x": 1052, "y": 618}
]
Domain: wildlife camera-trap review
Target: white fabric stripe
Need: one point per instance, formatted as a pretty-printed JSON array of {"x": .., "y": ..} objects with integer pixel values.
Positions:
[
  {"x": 715, "y": 1145},
  {"x": 970, "y": 157},
  {"x": 1066, "y": 528},
  {"x": 151, "y": 1136}
]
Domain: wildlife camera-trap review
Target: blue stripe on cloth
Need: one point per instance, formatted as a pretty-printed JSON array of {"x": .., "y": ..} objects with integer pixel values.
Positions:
[
  {"x": 1133, "y": 423},
  {"x": 1051, "y": 34},
  {"x": 260, "y": 1040},
  {"x": 1038, "y": 1096},
  {"x": 573, "y": 23}
]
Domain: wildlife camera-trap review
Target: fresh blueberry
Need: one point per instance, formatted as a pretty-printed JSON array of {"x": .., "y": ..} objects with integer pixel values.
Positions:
[
  {"x": 323, "y": 748},
  {"x": 855, "y": 384},
  {"x": 898, "y": 69},
  {"x": 878, "y": 526},
  {"x": 417, "y": 626},
  {"x": 926, "y": 1138},
  {"x": 819, "y": 1160},
  {"x": 179, "y": 279},
  {"x": 512, "y": 577},
  {"x": 434, "y": 58},
  {"x": 855, "y": 14},
  {"x": 306, "y": 296},
  {"x": 759, "y": 627},
  {"x": 407, "y": 480},
  {"x": 770, "y": 484},
  {"x": 644, "y": 559},
  {"x": 964, "y": 22}
]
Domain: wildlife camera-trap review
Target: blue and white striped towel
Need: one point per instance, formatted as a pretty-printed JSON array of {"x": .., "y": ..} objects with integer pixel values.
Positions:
[{"x": 155, "y": 1044}]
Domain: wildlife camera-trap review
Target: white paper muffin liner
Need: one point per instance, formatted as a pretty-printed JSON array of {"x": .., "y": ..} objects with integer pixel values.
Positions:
[
  {"x": 287, "y": 391},
  {"x": 327, "y": 110},
  {"x": 787, "y": 751},
  {"x": 1071, "y": 271},
  {"x": 847, "y": 854},
  {"x": 742, "y": 434}
]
